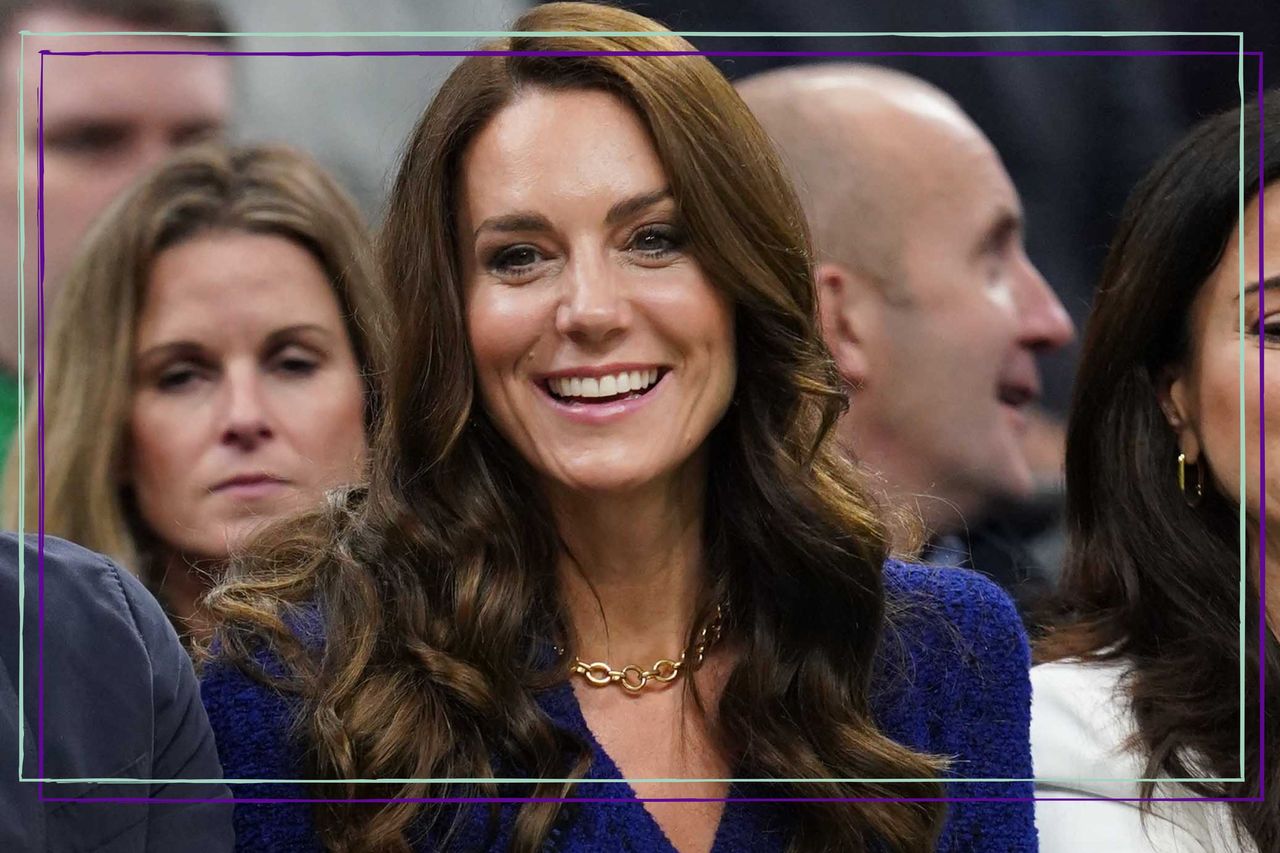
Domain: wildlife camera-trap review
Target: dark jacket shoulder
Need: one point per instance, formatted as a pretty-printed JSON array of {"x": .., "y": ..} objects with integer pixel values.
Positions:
[{"x": 108, "y": 692}]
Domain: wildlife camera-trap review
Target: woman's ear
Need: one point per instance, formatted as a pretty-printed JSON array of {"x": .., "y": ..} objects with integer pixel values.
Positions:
[
  {"x": 841, "y": 298},
  {"x": 1178, "y": 403}
]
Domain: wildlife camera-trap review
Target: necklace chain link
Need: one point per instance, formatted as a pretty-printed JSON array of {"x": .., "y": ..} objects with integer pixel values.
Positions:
[{"x": 634, "y": 679}]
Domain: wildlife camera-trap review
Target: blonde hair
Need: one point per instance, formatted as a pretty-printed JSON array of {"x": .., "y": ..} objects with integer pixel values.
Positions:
[{"x": 88, "y": 364}]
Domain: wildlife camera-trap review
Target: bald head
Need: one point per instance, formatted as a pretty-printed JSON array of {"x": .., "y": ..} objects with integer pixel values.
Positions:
[
  {"x": 864, "y": 145},
  {"x": 929, "y": 305}
]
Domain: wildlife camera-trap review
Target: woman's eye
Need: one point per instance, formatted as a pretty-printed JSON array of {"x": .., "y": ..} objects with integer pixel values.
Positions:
[
  {"x": 297, "y": 366},
  {"x": 657, "y": 241},
  {"x": 513, "y": 260},
  {"x": 1271, "y": 330},
  {"x": 293, "y": 360},
  {"x": 177, "y": 378}
]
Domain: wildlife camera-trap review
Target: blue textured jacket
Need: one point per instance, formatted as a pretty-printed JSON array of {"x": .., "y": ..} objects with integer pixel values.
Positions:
[{"x": 961, "y": 690}]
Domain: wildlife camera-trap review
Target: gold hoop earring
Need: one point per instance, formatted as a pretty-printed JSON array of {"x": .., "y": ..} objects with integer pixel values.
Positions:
[{"x": 1192, "y": 498}]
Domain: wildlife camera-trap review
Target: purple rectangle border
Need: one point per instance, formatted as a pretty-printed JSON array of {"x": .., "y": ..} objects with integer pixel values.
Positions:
[{"x": 1262, "y": 535}]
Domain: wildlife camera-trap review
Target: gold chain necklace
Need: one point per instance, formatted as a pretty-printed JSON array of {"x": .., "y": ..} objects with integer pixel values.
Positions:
[{"x": 634, "y": 678}]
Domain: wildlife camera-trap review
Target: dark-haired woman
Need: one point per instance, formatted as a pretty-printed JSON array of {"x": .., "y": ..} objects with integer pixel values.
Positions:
[
  {"x": 605, "y": 540},
  {"x": 1144, "y": 678}
]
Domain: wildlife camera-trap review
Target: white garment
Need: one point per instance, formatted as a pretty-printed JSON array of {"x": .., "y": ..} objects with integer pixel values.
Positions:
[{"x": 1080, "y": 720}]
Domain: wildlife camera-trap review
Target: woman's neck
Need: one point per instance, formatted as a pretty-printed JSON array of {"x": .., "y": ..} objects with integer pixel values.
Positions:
[
  {"x": 181, "y": 584},
  {"x": 633, "y": 569}
]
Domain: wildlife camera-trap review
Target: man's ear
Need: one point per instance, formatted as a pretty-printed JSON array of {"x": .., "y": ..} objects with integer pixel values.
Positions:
[
  {"x": 1178, "y": 404},
  {"x": 844, "y": 304}
]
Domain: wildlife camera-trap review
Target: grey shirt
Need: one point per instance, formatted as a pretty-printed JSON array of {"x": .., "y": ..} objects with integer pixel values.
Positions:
[{"x": 120, "y": 700}]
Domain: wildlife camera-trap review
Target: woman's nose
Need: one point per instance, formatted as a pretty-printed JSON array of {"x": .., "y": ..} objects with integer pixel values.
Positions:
[
  {"x": 594, "y": 307},
  {"x": 246, "y": 422}
]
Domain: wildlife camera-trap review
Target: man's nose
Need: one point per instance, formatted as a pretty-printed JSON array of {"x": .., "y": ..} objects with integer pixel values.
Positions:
[{"x": 1045, "y": 323}]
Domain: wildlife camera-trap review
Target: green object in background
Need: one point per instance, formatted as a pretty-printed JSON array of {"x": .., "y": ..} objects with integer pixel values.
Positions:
[{"x": 8, "y": 413}]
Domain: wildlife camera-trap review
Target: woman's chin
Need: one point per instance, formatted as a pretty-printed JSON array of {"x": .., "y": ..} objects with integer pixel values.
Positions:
[
  {"x": 623, "y": 472},
  {"x": 603, "y": 480},
  {"x": 225, "y": 540}
]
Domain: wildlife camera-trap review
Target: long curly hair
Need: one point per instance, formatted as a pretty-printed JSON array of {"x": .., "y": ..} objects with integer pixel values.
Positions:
[
  {"x": 1149, "y": 579},
  {"x": 435, "y": 584}
]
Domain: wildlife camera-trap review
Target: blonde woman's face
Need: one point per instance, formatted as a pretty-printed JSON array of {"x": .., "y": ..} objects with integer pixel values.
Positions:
[
  {"x": 247, "y": 399},
  {"x": 602, "y": 351}
]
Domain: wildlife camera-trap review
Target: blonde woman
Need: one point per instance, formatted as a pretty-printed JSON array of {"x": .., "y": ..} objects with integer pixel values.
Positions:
[{"x": 209, "y": 367}]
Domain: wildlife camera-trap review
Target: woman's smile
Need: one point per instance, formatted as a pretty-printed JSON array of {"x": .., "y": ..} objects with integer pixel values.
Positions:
[{"x": 603, "y": 396}]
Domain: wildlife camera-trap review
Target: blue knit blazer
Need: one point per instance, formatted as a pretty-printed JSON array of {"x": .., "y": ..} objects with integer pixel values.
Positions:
[{"x": 960, "y": 689}]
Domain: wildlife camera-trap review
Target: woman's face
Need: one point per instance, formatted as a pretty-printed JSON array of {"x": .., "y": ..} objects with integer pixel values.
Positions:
[
  {"x": 1206, "y": 397},
  {"x": 602, "y": 352},
  {"x": 247, "y": 400}
]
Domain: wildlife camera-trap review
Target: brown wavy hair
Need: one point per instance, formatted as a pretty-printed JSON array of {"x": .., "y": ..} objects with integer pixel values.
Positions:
[
  {"x": 1148, "y": 579},
  {"x": 435, "y": 585}
]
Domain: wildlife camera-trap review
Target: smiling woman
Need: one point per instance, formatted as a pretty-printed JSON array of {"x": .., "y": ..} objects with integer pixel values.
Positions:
[
  {"x": 563, "y": 306},
  {"x": 607, "y": 545},
  {"x": 208, "y": 367}
]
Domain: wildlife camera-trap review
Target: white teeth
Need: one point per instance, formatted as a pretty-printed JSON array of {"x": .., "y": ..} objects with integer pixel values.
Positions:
[{"x": 604, "y": 386}]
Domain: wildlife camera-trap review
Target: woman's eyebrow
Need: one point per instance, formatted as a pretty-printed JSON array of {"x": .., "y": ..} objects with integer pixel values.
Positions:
[
  {"x": 527, "y": 220},
  {"x": 289, "y": 332},
  {"x": 1268, "y": 285},
  {"x": 631, "y": 206},
  {"x": 510, "y": 222}
]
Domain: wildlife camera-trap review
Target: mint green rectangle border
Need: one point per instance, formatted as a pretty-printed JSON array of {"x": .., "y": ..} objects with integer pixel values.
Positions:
[{"x": 22, "y": 444}]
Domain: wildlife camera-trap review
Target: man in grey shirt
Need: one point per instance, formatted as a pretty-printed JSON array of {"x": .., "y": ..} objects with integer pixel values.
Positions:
[{"x": 120, "y": 701}]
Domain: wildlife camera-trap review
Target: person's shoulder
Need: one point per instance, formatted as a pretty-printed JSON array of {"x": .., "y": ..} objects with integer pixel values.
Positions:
[
  {"x": 960, "y": 603},
  {"x": 1081, "y": 723},
  {"x": 255, "y": 725},
  {"x": 250, "y": 720},
  {"x": 1082, "y": 743},
  {"x": 953, "y": 647},
  {"x": 253, "y": 701},
  {"x": 1082, "y": 698},
  {"x": 952, "y": 681},
  {"x": 59, "y": 565},
  {"x": 81, "y": 589},
  {"x": 262, "y": 668},
  {"x": 1079, "y": 685}
]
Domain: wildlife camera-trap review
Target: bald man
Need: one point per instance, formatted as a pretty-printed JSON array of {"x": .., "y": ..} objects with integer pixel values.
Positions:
[{"x": 930, "y": 306}]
